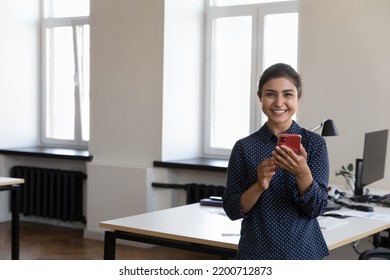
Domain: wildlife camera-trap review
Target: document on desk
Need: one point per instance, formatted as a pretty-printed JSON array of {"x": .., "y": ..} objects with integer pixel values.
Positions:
[
  {"x": 368, "y": 215},
  {"x": 331, "y": 222},
  {"x": 219, "y": 212},
  {"x": 228, "y": 228}
]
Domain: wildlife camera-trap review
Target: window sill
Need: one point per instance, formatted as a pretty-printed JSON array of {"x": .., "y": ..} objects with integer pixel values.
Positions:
[
  {"x": 49, "y": 152},
  {"x": 201, "y": 164}
]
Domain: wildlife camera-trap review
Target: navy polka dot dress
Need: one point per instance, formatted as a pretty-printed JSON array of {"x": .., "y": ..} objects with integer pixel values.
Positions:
[{"x": 282, "y": 225}]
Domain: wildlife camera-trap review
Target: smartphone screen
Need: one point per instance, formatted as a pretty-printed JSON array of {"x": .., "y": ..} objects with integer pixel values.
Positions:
[{"x": 293, "y": 141}]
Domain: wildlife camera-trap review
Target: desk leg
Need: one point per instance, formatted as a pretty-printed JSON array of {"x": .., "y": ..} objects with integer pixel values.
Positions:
[
  {"x": 15, "y": 207},
  {"x": 109, "y": 245}
]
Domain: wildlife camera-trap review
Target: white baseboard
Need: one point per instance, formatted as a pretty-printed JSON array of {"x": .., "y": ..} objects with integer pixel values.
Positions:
[{"x": 54, "y": 222}]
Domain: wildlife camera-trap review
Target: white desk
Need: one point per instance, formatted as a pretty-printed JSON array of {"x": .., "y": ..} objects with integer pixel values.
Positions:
[
  {"x": 207, "y": 229},
  {"x": 13, "y": 185}
]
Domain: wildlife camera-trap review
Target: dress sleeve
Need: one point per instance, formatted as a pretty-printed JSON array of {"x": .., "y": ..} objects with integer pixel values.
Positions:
[
  {"x": 314, "y": 201},
  {"x": 236, "y": 184}
]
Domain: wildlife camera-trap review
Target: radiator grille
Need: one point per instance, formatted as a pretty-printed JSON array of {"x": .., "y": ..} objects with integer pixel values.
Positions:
[
  {"x": 51, "y": 193},
  {"x": 196, "y": 192}
]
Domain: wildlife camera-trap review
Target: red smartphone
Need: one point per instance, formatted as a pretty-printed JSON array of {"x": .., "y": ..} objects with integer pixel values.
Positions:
[{"x": 293, "y": 141}]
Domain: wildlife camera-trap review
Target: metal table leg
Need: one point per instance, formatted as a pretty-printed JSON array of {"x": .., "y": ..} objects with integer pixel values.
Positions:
[
  {"x": 109, "y": 245},
  {"x": 15, "y": 208}
]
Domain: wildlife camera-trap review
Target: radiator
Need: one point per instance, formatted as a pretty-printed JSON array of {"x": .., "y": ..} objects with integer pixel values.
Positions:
[
  {"x": 51, "y": 193},
  {"x": 196, "y": 192}
]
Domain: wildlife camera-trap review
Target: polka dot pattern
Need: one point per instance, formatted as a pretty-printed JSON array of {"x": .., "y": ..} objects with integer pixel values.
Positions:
[{"x": 282, "y": 225}]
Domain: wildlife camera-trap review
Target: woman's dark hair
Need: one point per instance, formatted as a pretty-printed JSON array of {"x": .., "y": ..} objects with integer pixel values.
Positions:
[{"x": 280, "y": 70}]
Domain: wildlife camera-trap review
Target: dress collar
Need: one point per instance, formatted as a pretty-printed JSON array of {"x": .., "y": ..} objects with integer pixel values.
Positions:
[{"x": 266, "y": 134}]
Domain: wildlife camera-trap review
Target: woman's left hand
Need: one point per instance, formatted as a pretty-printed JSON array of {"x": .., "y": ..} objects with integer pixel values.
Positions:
[
  {"x": 295, "y": 164},
  {"x": 289, "y": 160}
]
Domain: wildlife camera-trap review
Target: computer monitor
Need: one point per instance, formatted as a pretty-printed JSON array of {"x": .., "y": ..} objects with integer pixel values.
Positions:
[{"x": 371, "y": 167}]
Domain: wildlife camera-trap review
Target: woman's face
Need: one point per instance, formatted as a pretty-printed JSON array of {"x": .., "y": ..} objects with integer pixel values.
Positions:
[{"x": 279, "y": 98}]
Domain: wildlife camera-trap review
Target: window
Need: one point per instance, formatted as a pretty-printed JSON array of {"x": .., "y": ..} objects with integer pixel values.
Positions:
[
  {"x": 242, "y": 40},
  {"x": 65, "y": 31}
]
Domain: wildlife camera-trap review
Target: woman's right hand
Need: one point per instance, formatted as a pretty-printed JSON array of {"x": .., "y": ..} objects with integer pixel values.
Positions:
[{"x": 265, "y": 171}]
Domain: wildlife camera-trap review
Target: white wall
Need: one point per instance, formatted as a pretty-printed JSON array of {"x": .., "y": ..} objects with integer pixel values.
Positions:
[
  {"x": 126, "y": 105},
  {"x": 19, "y": 83},
  {"x": 126, "y": 81},
  {"x": 345, "y": 62}
]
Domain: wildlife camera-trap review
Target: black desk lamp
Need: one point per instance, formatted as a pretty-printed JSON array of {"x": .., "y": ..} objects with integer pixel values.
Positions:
[{"x": 328, "y": 128}]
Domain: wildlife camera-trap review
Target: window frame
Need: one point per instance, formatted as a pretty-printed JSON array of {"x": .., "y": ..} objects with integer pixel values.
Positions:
[
  {"x": 258, "y": 13},
  {"x": 47, "y": 23}
]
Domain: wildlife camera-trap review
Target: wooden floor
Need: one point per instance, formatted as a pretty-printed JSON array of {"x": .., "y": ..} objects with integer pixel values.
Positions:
[
  {"x": 48, "y": 242},
  {"x": 40, "y": 241}
]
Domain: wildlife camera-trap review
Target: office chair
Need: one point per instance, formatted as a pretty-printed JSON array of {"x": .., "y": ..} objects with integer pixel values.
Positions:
[{"x": 375, "y": 253}]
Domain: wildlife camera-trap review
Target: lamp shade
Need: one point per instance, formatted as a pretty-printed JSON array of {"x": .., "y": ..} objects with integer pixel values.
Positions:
[{"x": 329, "y": 128}]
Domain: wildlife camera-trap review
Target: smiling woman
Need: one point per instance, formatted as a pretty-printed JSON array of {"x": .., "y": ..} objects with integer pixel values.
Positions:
[
  {"x": 279, "y": 100},
  {"x": 267, "y": 184}
]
